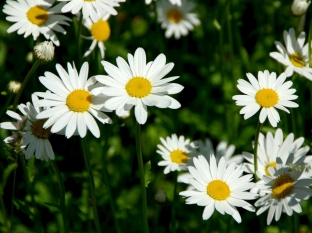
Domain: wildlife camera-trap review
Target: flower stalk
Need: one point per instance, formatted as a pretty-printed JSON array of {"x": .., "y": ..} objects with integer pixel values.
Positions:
[{"x": 256, "y": 149}]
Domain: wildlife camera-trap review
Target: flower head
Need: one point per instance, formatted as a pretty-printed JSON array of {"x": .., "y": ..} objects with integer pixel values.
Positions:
[
  {"x": 267, "y": 93},
  {"x": 44, "y": 51},
  {"x": 14, "y": 86},
  {"x": 139, "y": 84},
  {"x": 299, "y": 7},
  {"x": 74, "y": 101},
  {"x": 174, "y": 2}
]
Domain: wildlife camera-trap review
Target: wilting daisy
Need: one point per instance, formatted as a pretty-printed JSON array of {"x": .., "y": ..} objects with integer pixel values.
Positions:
[
  {"x": 177, "y": 20},
  {"x": 35, "y": 137},
  {"x": 295, "y": 55},
  {"x": 100, "y": 32},
  {"x": 74, "y": 101},
  {"x": 36, "y": 17},
  {"x": 267, "y": 93},
  {"x": 175, "y": 152},
  {"x": 139, "y": 84},
  {"x": 284, "y": 188},
  {"x": 44, "y": 51},
  {"x": 219, "y": 187}
]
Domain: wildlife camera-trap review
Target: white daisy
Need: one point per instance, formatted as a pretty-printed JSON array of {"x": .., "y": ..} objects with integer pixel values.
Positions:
[
  {"x": 44, "y": 51},
  {"x": 176, "y": 19},
  {"x": 284, "y": 188},
  {"x": 100, "y": 32},
  {"x": 295, "y": 55},
  {"x": 174, "y": 2},
  {"x": 267, "y": 93},
  {"x": 73, "y": 101},
  {"x": 35, "y": 137},
  {"x": 219, "y": 187},
  {"x": 36, "y": 17},
  {"x": 139, "y": 84},
  {"x": 175, "y": 152}
]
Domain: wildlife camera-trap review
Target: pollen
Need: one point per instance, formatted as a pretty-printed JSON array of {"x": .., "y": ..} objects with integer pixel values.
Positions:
[
  {"x": 218, "y": 190},
  {"x": 178, "y": 156},
  {"x": 282, "y": 186},
  {"x": 174, "y": 15},
  {"x": 37, "y": 15},
  {"x": 267, "y": 98},
  {"x": 79, "y": 101},
  {"x": 100, "y": 30},
  {"x": 297, "y": 60},
  {"x": 38, "y": 130},
  {"x": 273, "y": 164},
  {"x": 139, "y": 87}
]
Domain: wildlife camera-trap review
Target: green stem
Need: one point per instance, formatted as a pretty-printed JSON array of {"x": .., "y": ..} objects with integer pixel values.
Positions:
[
  {"x": 62, "y": 194},
  {"x": 7, "y": 102},
  {"x": 142, "y": 179},
  {"x": 300, "y": 23},
  {"x": 79, "y": 39},
  {"x": 19, "y": 93},
  {"x": 13, "y": 192},
  {"x": 173, "y": 211},
  {"x": 296, "y": 222},
  {"x": 91, "y": 184},
  {"x": 256, "y": 149}
]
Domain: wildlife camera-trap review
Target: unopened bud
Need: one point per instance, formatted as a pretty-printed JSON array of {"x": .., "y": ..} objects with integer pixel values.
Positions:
[
  {"x": 14, "y": 86},
  {"x": 44, "y": 51},
  {"x": 299, "y": 7},
  {"x": 160, "y": 196}
]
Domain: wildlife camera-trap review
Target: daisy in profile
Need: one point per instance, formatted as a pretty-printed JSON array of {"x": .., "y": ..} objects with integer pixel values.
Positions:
[
  {"x": 265, "y": 94},
  {"x": 295, "y": 55},
  {"x": 176, "y": 19},
  {"x": 35, "y": 137},
  {"x": 174, "y": 2},
  {"x": 100, "y": 32},
  {"x": 36, "y": 17},
  {"x": 139, "y": 84},
  {"x": 74, "y": 101},
  {"x": 284, "y": 188},
  {"x": 176, "y": 153},
  {"x": 219, "y": 187}
]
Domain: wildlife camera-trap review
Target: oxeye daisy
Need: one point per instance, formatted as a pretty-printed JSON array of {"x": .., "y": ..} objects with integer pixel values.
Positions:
[
  {"x": 176, "y": 153},
  {"x": 100, "y": 32},
  {"x": 139, "y": 84},
  {"x": 174, "y": 2},
  {"x": 35, "y": 137},
  {"x": 74, "y": 101},
  {"x": 36, "y": 17},
  {"x": 265, "y": 94},
  {"x": 284, "y": 188},
  {"x": 177, "y": 20},
  {"x": 295, "y": 55},
  {"x": 219, "y": 187}
]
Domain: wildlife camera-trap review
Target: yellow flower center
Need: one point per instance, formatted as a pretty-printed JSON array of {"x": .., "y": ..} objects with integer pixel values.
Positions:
[
  {"x": 218, "y": 190},
  {"x": 38, "y": 130},
  {"x": 37, "y": 15},
  {"x": 139, "y": 87},
  {"x": 297, "y": 60},
  {"x": 282, "y": 186},
  {"x": 174, "y": 15},
  {"x": 100, "y": 30},
  {"x": 273, "y": 164},
  {"x": 79, "y": 101},
  {"x": 178, "y": 156},
  {"x": 266, "y": 97}
]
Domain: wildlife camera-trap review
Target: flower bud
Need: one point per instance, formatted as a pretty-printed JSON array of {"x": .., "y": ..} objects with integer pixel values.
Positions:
[
  {"x": 14, "y": 86},
  {"x": 299, "y": 7},
  {"x": 160, "y": 196},
  {"x": 44, "y": 51}
]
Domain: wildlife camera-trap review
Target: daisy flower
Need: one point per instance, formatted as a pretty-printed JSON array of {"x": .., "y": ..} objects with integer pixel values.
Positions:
[
  {"x": 174, "y": 2},
  {"x": 219, "y": 187},
  {"x": 177, "y": 20},
  {"x": 35, "y": 137},
  {"x": 74, "y": 101},
  {"x": 284, "y": 188},
  {"x": 100, "y": 32},
  {"x": 295, "y": 55},
  {"x": 44, "y": 51},
  {"x": 139, "y": 84},
  {"x": 175, "y": 152},
  {"x": 36, "y": 17},
  {"x": 267, "y": 93}
]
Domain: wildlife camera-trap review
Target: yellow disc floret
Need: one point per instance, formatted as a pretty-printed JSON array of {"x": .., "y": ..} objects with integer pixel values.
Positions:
[
  {"x": 218, "y": 190},
  {"x": 139, "y": 87},
  {"x": 37, "y": 15},
  {"x": 297, "y": 60},
  {"x": 273, "y": 164},
  {"x": 267, "y": 98},
  {"x": 282, "y": 186},
  {"x": 174, "y": 15},
  {"x": 178, "y": 156},
  {"x": 100, "y": 30},
  {"x": 79, "y": 100},
  {"x": 38, "y": 130}
]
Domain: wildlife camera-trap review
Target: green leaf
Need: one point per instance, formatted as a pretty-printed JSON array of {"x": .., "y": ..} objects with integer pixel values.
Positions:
[
  {"x": 52, "y": 204},
  {"x": 6, "y": 173},
  {"x": 147, "y": 173}
]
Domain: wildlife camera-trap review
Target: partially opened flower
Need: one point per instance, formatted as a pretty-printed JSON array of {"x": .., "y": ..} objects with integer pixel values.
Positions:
[
  {"x": 295, "y": 55},
  {"x": 177, "y": 20},
  {"x": 36, "y": 17},
  {"x": 74, "y": 101},
  {"x": 44, "y": 51},
  {"x": 265, "y": 94},
  {"x": 139, "y": 84},
  {"x": 299, "y": 7},
  {"x": 219, "y": 187}
]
